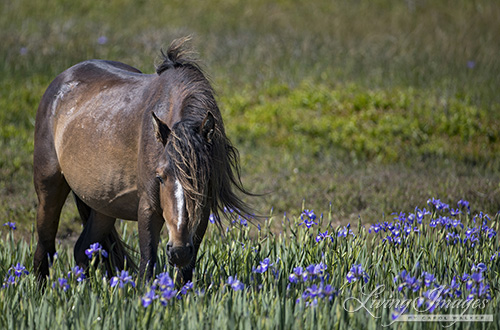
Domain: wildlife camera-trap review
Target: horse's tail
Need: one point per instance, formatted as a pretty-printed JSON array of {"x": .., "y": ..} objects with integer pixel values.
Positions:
[
  {"x": 83, "y": 209},
  {"x": 119, "y": 253}
]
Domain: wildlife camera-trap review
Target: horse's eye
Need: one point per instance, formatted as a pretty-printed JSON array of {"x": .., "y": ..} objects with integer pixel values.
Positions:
[{"x": 159, "y": 178}]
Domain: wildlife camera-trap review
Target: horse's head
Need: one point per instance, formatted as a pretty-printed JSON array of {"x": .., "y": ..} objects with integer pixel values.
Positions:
[{"x": 183, "y": 175}]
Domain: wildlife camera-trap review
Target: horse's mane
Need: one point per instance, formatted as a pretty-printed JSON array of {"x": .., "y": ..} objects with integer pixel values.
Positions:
[
  {"x": 208, "y": 171},
  {"x": 177, "y": 55}
]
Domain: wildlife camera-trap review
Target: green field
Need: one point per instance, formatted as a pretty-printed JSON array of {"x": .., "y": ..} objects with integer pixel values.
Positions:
[
  {"x": 437, "y": 260},
  {"x": 356, "y": 109}
]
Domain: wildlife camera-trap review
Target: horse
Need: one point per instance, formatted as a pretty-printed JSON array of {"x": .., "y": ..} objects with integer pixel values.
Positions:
[{"x": 150, "y": 148}]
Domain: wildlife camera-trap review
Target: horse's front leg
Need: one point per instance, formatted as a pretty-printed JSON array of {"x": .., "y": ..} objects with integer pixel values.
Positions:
[
  {"x": 187, "y": 272},
  {"x": 150, "y": 224}
]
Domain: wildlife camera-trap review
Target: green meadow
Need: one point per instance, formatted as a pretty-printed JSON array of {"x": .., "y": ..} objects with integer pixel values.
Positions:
[
  {"x": 434, "y": 261},
  {"x": 353, "y": 109}
]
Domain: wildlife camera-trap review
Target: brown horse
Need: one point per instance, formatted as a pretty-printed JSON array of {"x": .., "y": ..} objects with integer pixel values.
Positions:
[{"x": 134, "y": 146}]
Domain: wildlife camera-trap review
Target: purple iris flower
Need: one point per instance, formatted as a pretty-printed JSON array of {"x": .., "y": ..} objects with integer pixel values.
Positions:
[
  {"x": 167, "y": 295},
  {"x": 78, "y": 272},
  {"x": 18, "y": 270},
  {"x": 102, "y": 40},
  {"x": 123, "y": 279},
  {"x": 243, "y": 221},
  {"x": 163, "y": 282},
  {"x": 453, "y": 238},
  {"x": 95, "y": 249},
  {"x": 484, "y": 291},
  {"x": 262, "y": 267},
  {"x": 318, "y": 269},
  {"x": 346, "y": 230},
  {"x": 357, "y": 272},
  {"x": 480, "y": 291},
  {"x": 308, "y": 218},
  {"x": 312, "y": 292},
  {"x": 481, "y": 267},
  {"x": 440, "y": 206},
  {"x": 464, "y": 204},
  {"x": 408, "y": 281},
  {"x": 9, "y": 280},
  {"x": 315, "y": 292},
  {"x": 476, "y": 277},
  {"x": 490, "y": 232},
  {"x": 428, "y": 278},
  {"x": 321, "y": 236},
  {"x": 420, "y": 213},
  {"x": 235, "y": 284},
  {"x": 297, "y": 274},
  {"x": 455, "y": 287},
  {"x": 375, "y": 228},
  {"x": 186, "y": 287},
  {"x": 63, "y": 284},
  {"x": 148, "y": 298},
  {"x": 294, "y": 278},
  {"x": 11, "y": 225}
]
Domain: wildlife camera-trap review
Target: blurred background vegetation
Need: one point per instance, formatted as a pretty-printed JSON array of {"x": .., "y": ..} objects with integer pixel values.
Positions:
[{"x": 373, "y": 106}]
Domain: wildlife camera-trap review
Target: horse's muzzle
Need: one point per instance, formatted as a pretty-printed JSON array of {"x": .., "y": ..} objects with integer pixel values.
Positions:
[{"x": 180, "y": 256}]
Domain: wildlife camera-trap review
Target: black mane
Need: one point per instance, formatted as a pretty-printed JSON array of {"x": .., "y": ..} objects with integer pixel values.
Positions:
[
  {"x": 177, "y": 55},
  {"x": 209, "y": 174}
]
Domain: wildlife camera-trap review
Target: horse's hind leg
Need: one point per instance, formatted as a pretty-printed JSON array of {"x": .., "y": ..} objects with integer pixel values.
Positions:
[{"x": 52, "y": 190}]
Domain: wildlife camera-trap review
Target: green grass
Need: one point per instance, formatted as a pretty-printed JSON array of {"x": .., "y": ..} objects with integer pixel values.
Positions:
[
  {"x": 361, "y": 107},
  {"x": 270, "y": 299},
  {"x": 327, "y": 102}
]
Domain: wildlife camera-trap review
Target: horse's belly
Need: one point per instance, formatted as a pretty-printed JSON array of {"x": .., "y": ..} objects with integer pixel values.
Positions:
[
  {"x": 122, "y": 204},
  {"x": 113, "y": 198},
  {"x": 100, "y": 164}
]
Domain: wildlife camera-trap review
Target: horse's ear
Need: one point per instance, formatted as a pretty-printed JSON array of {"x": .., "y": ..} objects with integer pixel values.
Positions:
[
  {"x": 161, "y": 129},
  {"x": 207, "y": 127}
]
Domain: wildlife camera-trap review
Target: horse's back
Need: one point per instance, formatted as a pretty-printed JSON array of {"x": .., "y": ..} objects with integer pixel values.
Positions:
[
  {"x": 89, "y": 76},
  {"x": 89, "y": 119}
]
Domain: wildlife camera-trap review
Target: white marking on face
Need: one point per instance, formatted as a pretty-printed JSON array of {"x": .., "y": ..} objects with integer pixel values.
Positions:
[{"x": 179, "y": 196}]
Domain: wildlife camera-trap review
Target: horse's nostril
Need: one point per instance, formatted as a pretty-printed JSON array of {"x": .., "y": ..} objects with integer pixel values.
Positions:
[
  {"x": 169, "y": 246},
  {"x": 180, "y": 255}
]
